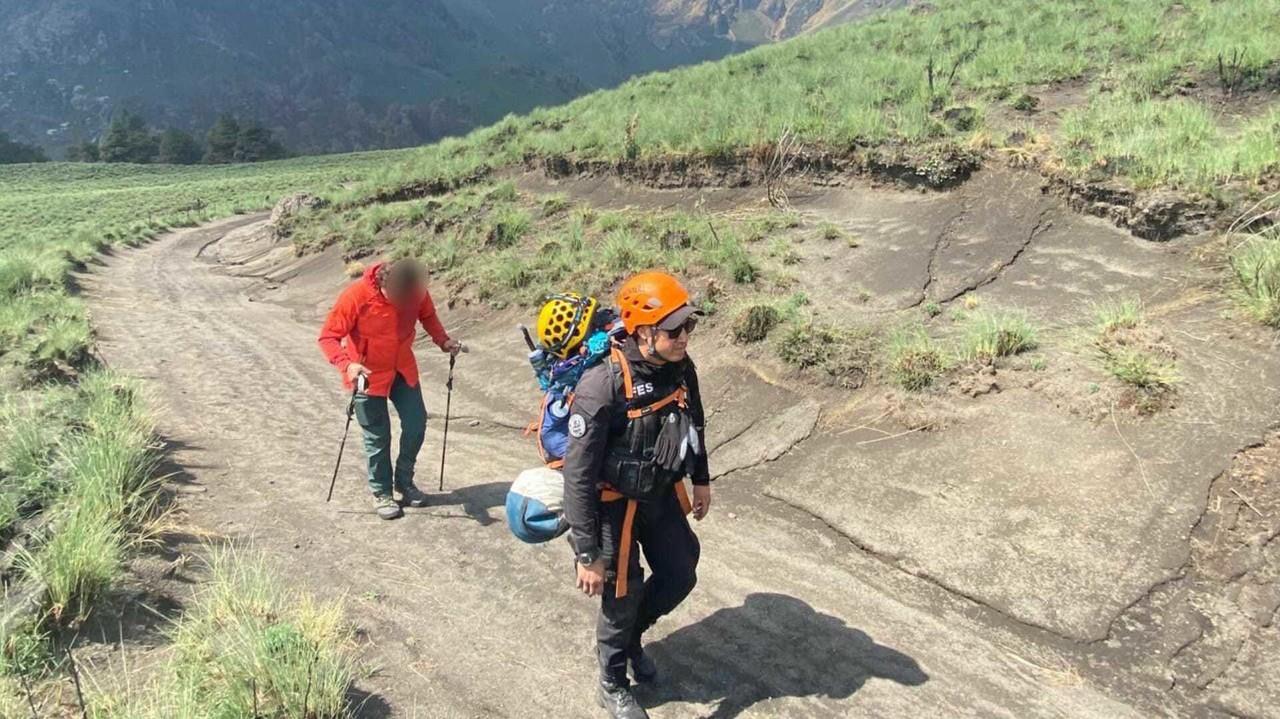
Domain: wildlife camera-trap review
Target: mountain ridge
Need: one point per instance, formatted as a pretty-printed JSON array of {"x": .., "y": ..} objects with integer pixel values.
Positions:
[{"x": 336, "y": 75}]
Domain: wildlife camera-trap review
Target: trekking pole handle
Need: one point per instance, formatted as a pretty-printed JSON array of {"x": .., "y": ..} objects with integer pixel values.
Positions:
[
  {"x": 362, "y": 384},
  {"x": 528, "y": 339}
]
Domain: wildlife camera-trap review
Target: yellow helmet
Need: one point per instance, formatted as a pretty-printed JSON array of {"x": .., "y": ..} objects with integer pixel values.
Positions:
[{"x": 564, "y": 322}]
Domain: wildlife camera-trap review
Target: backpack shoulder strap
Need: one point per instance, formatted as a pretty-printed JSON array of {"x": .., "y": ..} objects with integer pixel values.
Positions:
[{"x": 619, "y": 363}]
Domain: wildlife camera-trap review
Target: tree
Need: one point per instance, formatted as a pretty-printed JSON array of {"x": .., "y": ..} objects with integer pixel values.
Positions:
[
  {"x": 222, "y": 140},
  {"x": 256, "y": 144},
  {"x": 178, "y": 148},
  {"x": 128, "y": 140},
  {"x": 12, "y": 152},
  {"x": 84, "y": 152}
]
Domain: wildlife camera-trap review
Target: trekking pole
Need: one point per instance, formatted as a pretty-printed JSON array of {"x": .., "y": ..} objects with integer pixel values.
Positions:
[
  {"x": 444, "y": 443},
  {"x": 361, "y": 383}
]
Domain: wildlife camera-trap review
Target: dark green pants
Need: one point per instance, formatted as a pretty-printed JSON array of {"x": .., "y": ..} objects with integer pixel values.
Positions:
[{"x": 372, "y": 414}]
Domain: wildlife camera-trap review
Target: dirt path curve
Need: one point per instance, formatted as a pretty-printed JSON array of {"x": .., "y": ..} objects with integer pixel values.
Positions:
[{"x": 458, "y": 619}]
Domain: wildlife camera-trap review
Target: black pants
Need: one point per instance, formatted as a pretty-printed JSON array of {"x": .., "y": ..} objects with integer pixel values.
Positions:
[{"x": 670, "y": 549}]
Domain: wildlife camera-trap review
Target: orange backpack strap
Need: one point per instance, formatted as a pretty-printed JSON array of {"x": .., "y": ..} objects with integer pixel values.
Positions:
[
  {"x": 682, "y": 494},
  {"x": 624, "y": 550},
  {"x": 677, "y": 397},
  {"x": 620, "y": 360},
  {"x": 628, "y": 386},
  {"x": 536, "y": 426}
]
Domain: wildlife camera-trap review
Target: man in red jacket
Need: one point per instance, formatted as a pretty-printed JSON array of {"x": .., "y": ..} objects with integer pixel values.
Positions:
[{"x": 370, "y": 333}]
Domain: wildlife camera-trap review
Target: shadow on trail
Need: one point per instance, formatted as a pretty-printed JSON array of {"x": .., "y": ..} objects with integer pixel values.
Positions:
[
  {"x": 364, "y": 705},
  {"x": 773, "y": 646},
  {"x": 476, "y": 501}
]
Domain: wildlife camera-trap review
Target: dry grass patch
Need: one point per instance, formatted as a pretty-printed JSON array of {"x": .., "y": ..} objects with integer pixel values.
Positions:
[{"x": 842, "y": 356}]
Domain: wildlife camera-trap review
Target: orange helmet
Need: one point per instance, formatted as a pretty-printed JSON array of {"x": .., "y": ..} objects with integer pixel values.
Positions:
[{"x": 650, "y": 297}]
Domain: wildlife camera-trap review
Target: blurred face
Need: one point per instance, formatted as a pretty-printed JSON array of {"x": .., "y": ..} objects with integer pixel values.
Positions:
[
  {"x": 403, "y": 284},
  {"x": 668, "y": 345}
]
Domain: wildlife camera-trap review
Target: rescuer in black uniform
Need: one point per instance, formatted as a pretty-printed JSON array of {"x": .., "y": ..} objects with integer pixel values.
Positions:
[{"x": 635, "y": 433}]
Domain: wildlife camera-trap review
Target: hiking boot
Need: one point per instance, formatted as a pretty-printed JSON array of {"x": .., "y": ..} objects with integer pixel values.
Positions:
[
  {"x": 387, "y": 507},
  {"x": 643, "y": 669},
  {"x": 411, "y": 496},
  {"x": 618, "y": 700}
]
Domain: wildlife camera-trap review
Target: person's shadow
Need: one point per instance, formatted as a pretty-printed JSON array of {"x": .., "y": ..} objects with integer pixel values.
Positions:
[
  {"x": 475, "y": 500},
  {"x": 772, "y": 646}
]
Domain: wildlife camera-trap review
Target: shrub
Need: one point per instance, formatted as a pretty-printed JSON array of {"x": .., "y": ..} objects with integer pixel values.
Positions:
[
  {"x": 784, "y": 252},
  {"x": 24, "y": 651},
  {"x": 915, "y": 360},
  {"x": 755, "y": 323},
  {"x": 1256, "y": 264},
  {"x": 554, "y": 205},
  {"x": 991, "y": 335},
  {"x": 65, "y": 338},
  {"x": 502, "y": 192},
  {"x": 508, "y": 226},
  {"x": 1026, "y": 103},
  {"x": 1139, "y": 368},
  {"x": 1112, "y": 315}
]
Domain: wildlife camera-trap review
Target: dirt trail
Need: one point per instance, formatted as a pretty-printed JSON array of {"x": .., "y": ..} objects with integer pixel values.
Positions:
[{"x": 457, "y": 618}]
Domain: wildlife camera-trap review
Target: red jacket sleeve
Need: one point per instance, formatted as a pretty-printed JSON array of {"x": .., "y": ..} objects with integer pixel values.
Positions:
[
  {"x": 431, "y": 321},
  {"x": 337, "y": 326}
]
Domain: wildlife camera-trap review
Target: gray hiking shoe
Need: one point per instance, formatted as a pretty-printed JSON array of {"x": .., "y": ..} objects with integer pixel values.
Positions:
[
  {"x": 618, "y": 700},
  {"x": 411, "y": 496},
  {"x": 387, "y": 507}
]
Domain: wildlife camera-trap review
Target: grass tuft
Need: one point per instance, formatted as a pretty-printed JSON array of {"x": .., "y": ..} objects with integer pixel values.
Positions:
[
  {"x": 79, "y": 563},
  {"x": 249, "y": 641},
  {"x": 991, "y": 335},
  {"x": 28, "y": 269},
  {"x": 104, "y": 493}
]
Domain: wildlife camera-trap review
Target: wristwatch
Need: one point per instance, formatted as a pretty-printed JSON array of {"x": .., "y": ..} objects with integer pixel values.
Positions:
[{"x": 588, "y": 558}]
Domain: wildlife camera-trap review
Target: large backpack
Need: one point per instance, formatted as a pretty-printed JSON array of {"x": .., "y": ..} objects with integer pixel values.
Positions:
[
  {"x": 535, "y": 505},
  {"x": 536, "y": 499}
]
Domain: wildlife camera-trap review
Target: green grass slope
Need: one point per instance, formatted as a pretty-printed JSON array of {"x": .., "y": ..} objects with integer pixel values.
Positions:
[
  {"x": 1163, "y": 80},
  {"x": 79, "y": 486}
]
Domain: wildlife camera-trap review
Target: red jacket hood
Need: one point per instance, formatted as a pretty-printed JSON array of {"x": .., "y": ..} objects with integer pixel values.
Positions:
[{"x": 371, "y": 274}]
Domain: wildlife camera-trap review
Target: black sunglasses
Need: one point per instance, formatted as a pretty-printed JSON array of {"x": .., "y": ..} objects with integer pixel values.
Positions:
[{"x": 689, "y": 326}]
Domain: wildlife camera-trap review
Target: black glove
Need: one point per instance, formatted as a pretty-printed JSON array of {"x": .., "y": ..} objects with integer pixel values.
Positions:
[{"x": 669, "y": 450}]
